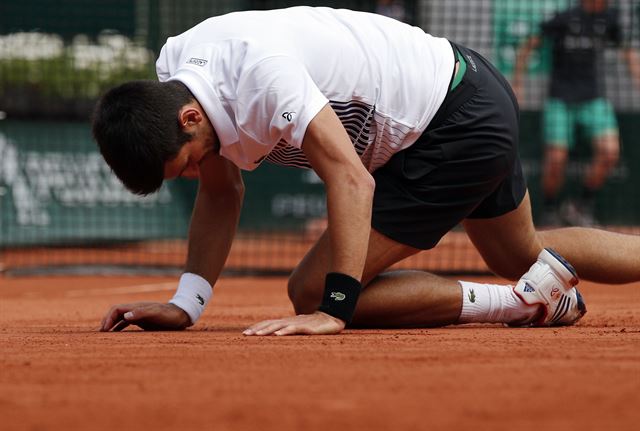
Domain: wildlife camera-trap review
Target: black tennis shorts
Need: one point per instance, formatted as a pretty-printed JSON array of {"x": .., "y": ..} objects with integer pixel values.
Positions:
[{"x": 465, "y": 164}]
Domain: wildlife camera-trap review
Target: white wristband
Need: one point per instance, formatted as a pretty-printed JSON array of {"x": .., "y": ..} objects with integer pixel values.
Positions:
[{"x": 193, "y": 295}]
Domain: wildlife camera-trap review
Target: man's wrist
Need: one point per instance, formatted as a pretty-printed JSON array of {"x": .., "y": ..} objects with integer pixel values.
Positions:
[
  {"x": 337, "y": 320},
  {"x": 186, "y": 322},
  {"x": 340, "y": 297},
  {"x": 192, "y": 296}
]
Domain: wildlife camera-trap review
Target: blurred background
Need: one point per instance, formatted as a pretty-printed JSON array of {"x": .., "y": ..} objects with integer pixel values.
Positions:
[{"x": 62, "y": 211}]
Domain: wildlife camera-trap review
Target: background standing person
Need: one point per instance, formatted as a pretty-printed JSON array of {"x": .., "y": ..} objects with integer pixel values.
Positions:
[{"x": 576, "y": 100}]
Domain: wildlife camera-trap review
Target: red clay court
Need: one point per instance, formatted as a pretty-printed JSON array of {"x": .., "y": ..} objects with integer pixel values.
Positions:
[
  {"x": 59, "y": 373},
  {"x": 64, "y": 218}
]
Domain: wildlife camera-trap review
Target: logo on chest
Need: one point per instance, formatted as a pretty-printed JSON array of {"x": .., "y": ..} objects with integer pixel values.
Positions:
[{"x": 197, "y": 61}]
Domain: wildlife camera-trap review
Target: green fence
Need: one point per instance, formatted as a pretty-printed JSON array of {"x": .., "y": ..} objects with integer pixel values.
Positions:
[
  {"x": 56, "y": 189},
  {"x": 57, "y": 57}
]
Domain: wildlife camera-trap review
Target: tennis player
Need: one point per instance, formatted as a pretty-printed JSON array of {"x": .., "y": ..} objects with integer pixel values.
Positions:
[{"x": 411, "y": 135}]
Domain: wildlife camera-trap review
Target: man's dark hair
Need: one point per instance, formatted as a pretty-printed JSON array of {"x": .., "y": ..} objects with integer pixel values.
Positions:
[{"x": 137, "y": 128}]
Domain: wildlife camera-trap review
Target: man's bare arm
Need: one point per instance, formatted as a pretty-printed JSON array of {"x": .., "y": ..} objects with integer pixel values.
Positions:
[
  {"x": 215, "y": 217},
  {"x": 213, "y": 225},
  {"x": 349, "y": 188}
]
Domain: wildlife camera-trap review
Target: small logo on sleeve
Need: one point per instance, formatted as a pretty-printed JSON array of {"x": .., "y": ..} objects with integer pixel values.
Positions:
[
  {"x": 200, "y": 299},
  {"x": 197, "y": 61},
  {"x": 288, "y": 115},
  {"x": 338, "y": 296}
]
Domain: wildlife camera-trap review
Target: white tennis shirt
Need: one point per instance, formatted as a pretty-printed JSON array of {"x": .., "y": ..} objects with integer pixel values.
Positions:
[{"x": 262, "y": 76}]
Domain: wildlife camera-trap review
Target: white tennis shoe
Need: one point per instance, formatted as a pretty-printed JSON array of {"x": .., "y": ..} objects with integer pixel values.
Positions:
[{"x": 551, "y": 283}]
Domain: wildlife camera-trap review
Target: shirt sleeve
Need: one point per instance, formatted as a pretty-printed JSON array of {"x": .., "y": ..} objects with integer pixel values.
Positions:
[
  {"x": 277, "y": 99},
  {"x": 162, "y": 65}
]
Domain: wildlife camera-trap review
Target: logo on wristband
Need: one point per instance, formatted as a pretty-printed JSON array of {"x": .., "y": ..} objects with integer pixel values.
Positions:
[
  {"x": 200, "y": 299},
  {"x": 338, "y": 296}
]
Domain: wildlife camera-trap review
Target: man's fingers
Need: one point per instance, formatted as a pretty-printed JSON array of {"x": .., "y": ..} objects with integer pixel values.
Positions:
[
  {"x": 258, "y": 326},
  {"x": 156, "y": 317},
  {"x": 120, "y": 325},
  {"x": 126, "y": 320},
  {"x": 147, "y": 315},
  {"x": 114, "y": 315},
  {"x": 307, "y": 324},
  {"x": 266, "y": 328},
  {"x": 142, "y": 313},
  {"x": 292, "y": 330},
  {"x": 117, "y": 314},
  {"x": 107, "y": 320},
  {"x": 276, "y": 326},
  {"x": 292, "y": 325}
]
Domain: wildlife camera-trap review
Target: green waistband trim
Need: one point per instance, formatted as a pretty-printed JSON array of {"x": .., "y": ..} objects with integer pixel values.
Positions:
[{"x": 461, "y": 71}]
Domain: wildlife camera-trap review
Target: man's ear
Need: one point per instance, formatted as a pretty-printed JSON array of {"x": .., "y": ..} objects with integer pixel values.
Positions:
[{"x": 189, "y": 116}]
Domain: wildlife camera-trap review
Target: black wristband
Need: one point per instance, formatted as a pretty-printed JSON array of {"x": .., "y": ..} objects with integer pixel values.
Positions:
[{"x": 340, "y": 296}]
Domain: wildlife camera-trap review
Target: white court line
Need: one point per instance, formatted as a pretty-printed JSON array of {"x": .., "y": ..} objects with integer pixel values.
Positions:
[{"x": 140, "y": 288}]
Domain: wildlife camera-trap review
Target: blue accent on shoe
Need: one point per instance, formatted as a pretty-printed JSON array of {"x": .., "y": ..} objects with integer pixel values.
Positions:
[
  {"x": 581, "y": 305},
  {"x": 563, "y": 261}
]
